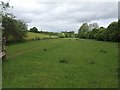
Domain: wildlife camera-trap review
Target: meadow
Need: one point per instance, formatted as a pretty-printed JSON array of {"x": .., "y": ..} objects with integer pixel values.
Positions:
[
  {"x": 61, "y": 63},
  {"x": 31, "y": 36}
]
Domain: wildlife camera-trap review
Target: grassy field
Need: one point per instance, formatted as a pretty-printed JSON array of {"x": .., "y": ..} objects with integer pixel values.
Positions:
[
  {"x": 31, "y": 35},
  {"x": 61, "y": 63}
]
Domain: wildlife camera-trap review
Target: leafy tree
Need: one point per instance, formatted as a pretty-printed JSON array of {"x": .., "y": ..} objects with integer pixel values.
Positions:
[
  {"x": 76, "y": 36},
  {"x": 4, "y": 6},
  {"x": 71, "y": 34},
  {"x": 112, "y": 32},
  {"x": 61, "y": 35},
  {"x": 68, "y": 34},
  {"x": 13, "y": 29},
  {"x": 88, "y": 35},
  {"x": 92, "y": 33},
  {"x": 83, "y": 30},
  {"x": 84, "y": 27},
  {"x": 100, "y": 34},
  {"x": 34, "y": 29}
]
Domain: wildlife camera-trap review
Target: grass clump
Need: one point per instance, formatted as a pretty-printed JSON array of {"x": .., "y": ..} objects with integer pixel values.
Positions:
[
  {"x": 44, "y": 49},
  {"x": 63, "y": 61},
  {"x": 102, "y": 51},
  {"x": 92, "y": 62}
]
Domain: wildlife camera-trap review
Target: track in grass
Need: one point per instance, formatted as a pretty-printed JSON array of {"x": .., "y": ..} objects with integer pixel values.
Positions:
[{"x": 61, "y": 63}]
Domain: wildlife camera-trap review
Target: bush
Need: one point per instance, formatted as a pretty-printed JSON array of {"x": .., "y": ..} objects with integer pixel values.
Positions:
[{"x": 61, "y": 35}]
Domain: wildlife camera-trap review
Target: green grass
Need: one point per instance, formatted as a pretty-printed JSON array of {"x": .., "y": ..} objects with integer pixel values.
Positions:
[
  {"x": 61, "y": 63},
  {"x": 31, "y": 35}
]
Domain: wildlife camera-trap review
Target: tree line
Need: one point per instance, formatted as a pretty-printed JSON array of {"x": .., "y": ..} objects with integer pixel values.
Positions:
[
  {"x": 111, "y": 33},
  {"x": 35, "y": 30},
  {"x": 62, "y": 34}
]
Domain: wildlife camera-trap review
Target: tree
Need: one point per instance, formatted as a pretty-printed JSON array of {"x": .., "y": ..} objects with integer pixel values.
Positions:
[
  {"x": 92, "y": 33},
  {"x": 76, "y": 36},
  {"x": 68, "y": 34},
  {"x": 100, "y": 34},
  {"x": 83, "y": 30},
  {"x": 13, "y": 29},
  {"x": 71, "y": 34},
  {"x": 93, "y": 26},
  {"x": 112, "y": 32},
  {"x": 34, "y": 29},
  {"x": 61, "y": 35}
]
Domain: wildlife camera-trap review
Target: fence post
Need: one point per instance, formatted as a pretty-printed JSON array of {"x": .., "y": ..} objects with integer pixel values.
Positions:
[{"x": 4, "y": 48}]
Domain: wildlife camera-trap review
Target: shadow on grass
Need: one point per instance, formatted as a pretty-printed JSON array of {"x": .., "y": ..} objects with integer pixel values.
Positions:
[{"x": 15, "y": 43}]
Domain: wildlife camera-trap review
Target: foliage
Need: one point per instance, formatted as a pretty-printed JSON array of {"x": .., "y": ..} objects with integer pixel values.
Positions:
[
  {"x": 76, "y": 35},
  {"x": 68, "y": 34},
  {"x": 4, "y": 7},
  {"x": 111, "y": 33},
  {"x": 83, "y": 30},
  {"x": 61, "y": 35},
  {"x": 38, "y": 36},
  {"x": 34, "y": 29},
  {"x": 13, "y": 29},
  {"x": 100, "y": 34}
]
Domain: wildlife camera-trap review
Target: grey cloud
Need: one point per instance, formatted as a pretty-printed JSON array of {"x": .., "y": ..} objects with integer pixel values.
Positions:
[
  {"x": 84, "y": 13},
  {"x": 65, "y": 16},
  {"x": 119, "y": 10}
]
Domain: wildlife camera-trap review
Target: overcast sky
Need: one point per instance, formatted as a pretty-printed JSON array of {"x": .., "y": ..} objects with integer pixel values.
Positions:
[{"x": 64, "y": 15}]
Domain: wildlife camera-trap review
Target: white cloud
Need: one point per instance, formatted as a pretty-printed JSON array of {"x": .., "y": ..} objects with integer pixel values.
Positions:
[{"x": 60, "y": 15}]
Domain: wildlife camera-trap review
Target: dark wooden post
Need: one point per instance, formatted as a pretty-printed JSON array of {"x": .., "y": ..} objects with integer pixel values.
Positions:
[{"x": 3, "y": 48}]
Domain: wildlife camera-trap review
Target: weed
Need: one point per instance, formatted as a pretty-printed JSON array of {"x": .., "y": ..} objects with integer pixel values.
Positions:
[
  {"x": 102, "y": 51},
  {"x": 45, "y": 49},
  {"x": 63, "y": 61},
  {"x": 92, "y": 62}
]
